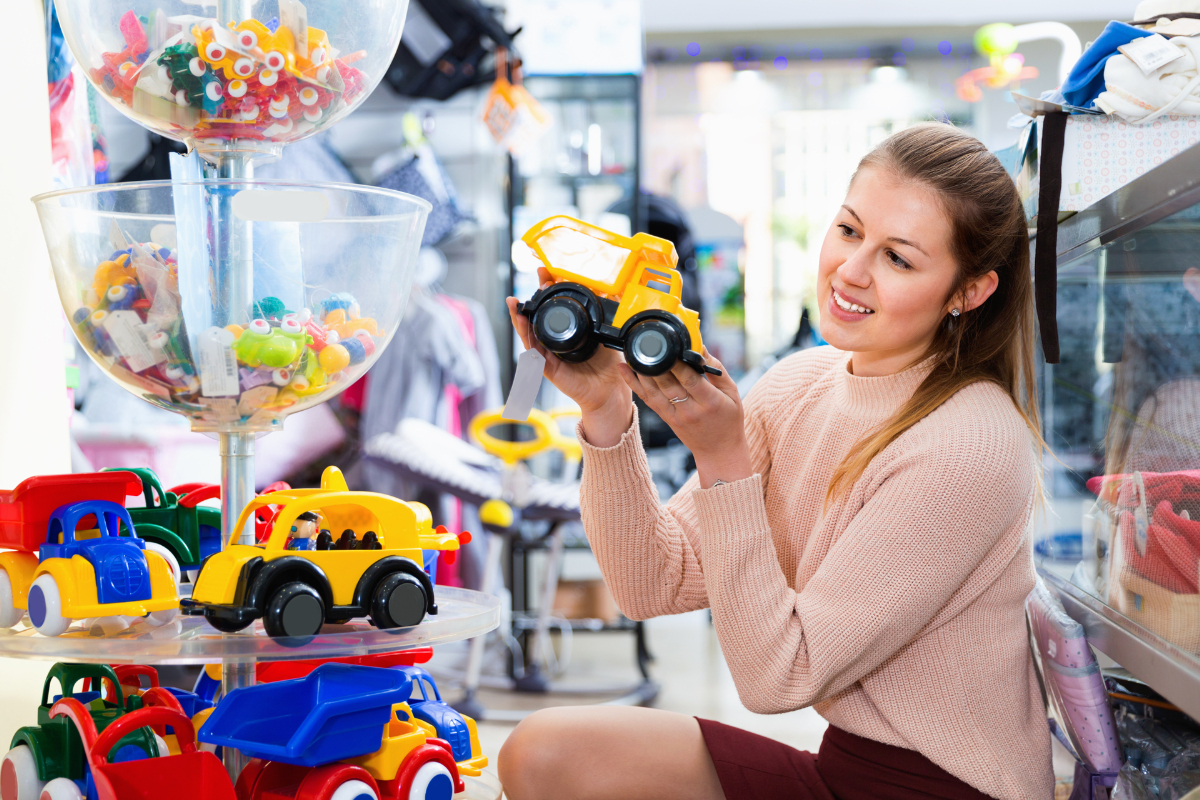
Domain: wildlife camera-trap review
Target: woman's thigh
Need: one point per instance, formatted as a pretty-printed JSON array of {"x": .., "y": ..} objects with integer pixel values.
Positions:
[{"x": 608, "y": 753}]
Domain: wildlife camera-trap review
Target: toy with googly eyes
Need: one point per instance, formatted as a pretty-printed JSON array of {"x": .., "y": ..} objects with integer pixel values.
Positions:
[{"x": 263, "y": 344}]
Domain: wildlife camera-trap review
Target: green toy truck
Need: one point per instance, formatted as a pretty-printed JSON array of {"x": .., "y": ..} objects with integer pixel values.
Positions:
[
  {"x": 52, "y": 748},
  {"x": 175, "y": 520}
]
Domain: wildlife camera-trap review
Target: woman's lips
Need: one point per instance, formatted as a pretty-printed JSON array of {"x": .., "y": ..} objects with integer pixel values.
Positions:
[{"x": 845, "y": 310}]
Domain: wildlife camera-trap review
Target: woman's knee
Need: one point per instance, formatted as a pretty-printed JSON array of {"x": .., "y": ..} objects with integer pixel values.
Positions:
[{"x": 535, "y": 752}]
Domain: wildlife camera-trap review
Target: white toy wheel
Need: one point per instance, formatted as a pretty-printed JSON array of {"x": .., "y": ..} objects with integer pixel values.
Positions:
[
  {"x": 163, "y": 750},
  {"x": 192, "y": 574},
  {"x": 432, "y": 782},
  {"x": 18, "y": 775},
  {"x": 45, "y": 607},
  {"x": 354, "y": 790},
  {"x": 172, "y": 562},
  {"x": 159, "y": 618},
  {"x": 9, "y": 614},
  {"x": 61, "y": 789}
]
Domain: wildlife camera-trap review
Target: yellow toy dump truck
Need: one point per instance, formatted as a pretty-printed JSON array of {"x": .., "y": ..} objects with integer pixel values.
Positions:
[{"x": 618, "y": 291}]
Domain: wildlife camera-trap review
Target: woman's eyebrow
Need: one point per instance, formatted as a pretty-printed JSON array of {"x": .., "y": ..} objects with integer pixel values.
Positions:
[{"x": 896, "y": 239}]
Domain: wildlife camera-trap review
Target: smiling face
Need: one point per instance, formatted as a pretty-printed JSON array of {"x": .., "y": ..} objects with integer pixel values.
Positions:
[{"x": 887, "y": 272}]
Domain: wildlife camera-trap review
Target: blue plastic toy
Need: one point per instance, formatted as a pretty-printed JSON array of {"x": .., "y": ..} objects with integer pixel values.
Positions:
[
  {"x": 427, "y": 706},
  {"x": 339, "y": 711}
]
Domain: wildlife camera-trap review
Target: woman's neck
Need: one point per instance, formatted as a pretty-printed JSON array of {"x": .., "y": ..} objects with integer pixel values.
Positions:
[{"x": 880, "y": 363}]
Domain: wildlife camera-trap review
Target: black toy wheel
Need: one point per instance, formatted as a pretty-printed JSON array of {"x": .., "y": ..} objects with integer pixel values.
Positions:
[
  {"x": 296, "y": 609},
  {"x": 399, "y": 601},
  {"x": 563, "y": 326},
  {"x": 652, "y": 347},
  {"x": 223, "y": 624}
]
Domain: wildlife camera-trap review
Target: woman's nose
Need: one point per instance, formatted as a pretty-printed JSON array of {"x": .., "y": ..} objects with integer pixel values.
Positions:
[{"x": 855, "y": 270}]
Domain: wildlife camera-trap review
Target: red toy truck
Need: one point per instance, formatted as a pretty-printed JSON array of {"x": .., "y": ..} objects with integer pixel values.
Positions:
[{"x": 24, "y": 516}]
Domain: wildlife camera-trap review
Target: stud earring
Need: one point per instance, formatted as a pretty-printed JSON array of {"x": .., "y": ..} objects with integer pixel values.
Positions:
[{"x": 954, "y": 312}]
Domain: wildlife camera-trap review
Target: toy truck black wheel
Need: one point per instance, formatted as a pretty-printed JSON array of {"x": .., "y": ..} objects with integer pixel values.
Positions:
[
  {"x": 563, "y": 326},
  {"x": 294, "y": 610},
  {"x": 652, "y": 346},
  {"x": 399, "y": 601},
  {"x": 223, "y": 624}
]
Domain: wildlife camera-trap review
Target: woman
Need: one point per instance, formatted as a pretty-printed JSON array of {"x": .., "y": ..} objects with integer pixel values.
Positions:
[{"x": 859, "y": 527}]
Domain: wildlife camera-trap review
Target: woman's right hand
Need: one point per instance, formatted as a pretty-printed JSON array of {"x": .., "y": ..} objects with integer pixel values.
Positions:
[{"x": 596, "y": 384}]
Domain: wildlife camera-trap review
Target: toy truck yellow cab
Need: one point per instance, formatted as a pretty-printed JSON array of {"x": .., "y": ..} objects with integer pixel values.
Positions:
[
  {"x": 618, "y": 291},
  {"x": 373, "y": 567}
]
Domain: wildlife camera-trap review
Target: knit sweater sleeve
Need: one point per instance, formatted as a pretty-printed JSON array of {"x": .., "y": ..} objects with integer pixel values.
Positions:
[
  {"x": 650, "y": 553},
  {"x": 931, "y": 509}
]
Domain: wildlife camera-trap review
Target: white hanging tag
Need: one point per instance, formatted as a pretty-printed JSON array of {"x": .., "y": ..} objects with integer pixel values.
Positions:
[
  {"x": 217, "y": 363},
  {"x": 526, "y": 382},
  {"x": 122, "y": 327},
  {"x": 1151, "y": 52}
]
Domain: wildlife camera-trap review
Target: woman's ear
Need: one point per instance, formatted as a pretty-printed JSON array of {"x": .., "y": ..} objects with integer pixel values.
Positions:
[{"x": 978, "y": 290}]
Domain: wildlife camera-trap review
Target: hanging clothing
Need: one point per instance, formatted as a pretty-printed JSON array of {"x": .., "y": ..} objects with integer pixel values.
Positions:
[
  {"x": 419, "y": 172},
  {"x": 427, "y": 354}
]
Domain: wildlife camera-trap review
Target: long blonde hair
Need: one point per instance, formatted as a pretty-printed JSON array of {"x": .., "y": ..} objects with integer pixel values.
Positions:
[{"x": 994, "y": 342}]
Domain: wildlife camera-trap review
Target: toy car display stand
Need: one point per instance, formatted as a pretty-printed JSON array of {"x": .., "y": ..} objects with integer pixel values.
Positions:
[{"x": 462, "y": 614}]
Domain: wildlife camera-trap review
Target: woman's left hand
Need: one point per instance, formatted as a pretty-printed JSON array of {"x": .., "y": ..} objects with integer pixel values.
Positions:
[{"x": 707, "y": 416}]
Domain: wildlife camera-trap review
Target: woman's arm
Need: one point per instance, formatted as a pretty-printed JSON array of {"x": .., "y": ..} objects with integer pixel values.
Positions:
[
  {"x": 649, "y": 553},
  {"x": 939, "y": 511}
]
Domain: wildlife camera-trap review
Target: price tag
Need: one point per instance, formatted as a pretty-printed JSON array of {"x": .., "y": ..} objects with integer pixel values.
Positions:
[
  {"x": 217, "y": 363},
  {"x": 123, "y": 327},
  {"x": 528, "y": 379},
  {"x": 1151, "y": 52}
]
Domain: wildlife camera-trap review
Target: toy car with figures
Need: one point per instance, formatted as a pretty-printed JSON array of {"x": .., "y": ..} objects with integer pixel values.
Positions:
[
  {"x": 618, "y": 291},
  {"x": 52, "y": 749},
  {"x": 175, "y": 519},
  {"x": 84, "y": 568},
  {"x": 301, "y": 578}
]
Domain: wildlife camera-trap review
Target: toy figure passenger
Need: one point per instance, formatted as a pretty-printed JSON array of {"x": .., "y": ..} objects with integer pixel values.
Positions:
[{"x": 304, "y": 529}]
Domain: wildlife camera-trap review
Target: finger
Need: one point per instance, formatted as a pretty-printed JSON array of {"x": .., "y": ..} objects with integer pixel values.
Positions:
[
  {"x": 519, "y": 321},
  {"x": 687, "y": 382},
  {"x": 724, "y": 382},
  {"x": 686, "y": 375},
  {"x": 544, "y": 278},
  {"x": 670, "y": 386},
  {"x": 653, "y": 395}
]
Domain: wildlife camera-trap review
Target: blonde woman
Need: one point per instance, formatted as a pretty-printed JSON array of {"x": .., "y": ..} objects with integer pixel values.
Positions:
[{"x": 859, "y": 527}]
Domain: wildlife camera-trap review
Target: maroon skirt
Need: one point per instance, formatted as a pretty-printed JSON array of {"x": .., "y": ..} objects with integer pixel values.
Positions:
[{"x": 848, "y": 767}]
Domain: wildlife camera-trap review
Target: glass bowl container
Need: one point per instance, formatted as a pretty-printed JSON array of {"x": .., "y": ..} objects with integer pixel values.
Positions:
[{"x": 235, "y": 335}]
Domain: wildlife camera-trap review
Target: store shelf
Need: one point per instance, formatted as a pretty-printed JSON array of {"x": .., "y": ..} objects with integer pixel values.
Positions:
[
  {"x": 1173, "y": 673},
  {"x": 462, "y": 614},
  {"x": 1168, "y": 188}
]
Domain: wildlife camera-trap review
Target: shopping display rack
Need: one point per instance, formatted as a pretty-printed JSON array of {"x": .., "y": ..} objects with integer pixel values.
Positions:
[{"x": 231, "y": 301}]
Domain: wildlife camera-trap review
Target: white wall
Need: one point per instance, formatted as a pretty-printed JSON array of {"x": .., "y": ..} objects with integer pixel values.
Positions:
[
  {"x": 717, "y": 15},
  {"x": 33, "y": 396}
]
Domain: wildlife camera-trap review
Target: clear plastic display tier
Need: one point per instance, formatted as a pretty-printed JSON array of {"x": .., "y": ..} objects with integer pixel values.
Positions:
[
  {"x": 485, "y": 787},
  {"x": 234, "y": 75},
  {"x": 318, "y": 286},
  {"x": 462, "y": 614}
]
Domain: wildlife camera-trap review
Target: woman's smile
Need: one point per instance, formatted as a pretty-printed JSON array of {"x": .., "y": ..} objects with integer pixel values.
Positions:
[{"x": 847, "y": 309}]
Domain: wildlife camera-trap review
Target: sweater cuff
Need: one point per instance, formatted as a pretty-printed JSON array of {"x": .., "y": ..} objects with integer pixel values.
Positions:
[
  {"x": 613, "y": 465},
  {"x": 736, "y": 506}
]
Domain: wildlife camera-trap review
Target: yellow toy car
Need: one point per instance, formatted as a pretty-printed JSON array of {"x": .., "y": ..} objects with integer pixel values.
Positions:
[
  {"x": 618, "y": 291},
  {"x": 301, "y": 578}
]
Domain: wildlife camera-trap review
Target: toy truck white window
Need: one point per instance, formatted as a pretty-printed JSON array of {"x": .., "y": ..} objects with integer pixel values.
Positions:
[{"x": 587, "y": 257}]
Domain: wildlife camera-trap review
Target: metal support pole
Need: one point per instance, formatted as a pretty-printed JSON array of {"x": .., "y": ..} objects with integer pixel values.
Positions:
[
  {"x": 235, "y": 675},
  {"x": 237, "y": 484}
]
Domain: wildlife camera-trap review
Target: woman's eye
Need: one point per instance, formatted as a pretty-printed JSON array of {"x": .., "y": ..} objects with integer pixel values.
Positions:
[
  {"x": 897, "y": 260},
  {"x": 846, "y": 230}
]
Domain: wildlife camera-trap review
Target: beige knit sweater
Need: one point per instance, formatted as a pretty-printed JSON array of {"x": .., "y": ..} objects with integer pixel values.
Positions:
[{"x": 898, "y": 611}]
